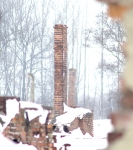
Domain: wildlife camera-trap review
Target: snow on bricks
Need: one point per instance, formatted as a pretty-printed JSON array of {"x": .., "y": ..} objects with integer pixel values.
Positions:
[
  {"x": 27, "y": 123},
  {"x": 74, "y": 118}
]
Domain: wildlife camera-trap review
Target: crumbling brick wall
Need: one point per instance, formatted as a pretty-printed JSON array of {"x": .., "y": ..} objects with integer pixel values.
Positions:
[
  {"x": 85, "y": 124},
  {"x": 24, "y": 131},
  {"x": 74, "y": 125}
]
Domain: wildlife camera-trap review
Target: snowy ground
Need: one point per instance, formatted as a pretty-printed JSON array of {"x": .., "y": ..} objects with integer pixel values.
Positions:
[
  {"x": 79, "y": 141},
  {"x": 102, "y": 127},
  {"x": 6, "y": 144}
]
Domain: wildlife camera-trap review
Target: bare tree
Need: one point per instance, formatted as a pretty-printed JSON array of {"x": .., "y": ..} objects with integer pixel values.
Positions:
[
  {"x": 109, "y": 35},
  {"x": 25, "y": 41}
]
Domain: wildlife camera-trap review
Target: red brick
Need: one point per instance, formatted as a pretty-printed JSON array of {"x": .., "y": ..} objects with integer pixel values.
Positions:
[{"x": 34, "y": 143}]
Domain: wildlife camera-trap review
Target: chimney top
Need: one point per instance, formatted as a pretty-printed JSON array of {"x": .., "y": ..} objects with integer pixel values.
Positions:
[{"x": 60, "y": 26}]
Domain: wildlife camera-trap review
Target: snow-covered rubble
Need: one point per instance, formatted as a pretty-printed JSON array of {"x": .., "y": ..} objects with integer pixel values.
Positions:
[
  {"x": 70, "y": 114},
  {"x": 76, "y": 139},
  {"x": 12, "y": 108},
  {"x": 35, "y": 113}
]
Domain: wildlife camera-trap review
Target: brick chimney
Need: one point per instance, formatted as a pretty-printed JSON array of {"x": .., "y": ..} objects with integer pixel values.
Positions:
[
  {"x": 60, "y": 72},
  {"x": 72, "y": 88}
]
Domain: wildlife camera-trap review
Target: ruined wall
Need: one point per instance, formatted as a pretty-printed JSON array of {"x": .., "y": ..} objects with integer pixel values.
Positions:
[
  {"x": 25, "y": 131},
  {"x": 3, "y": 102},
  {"x": 74, "y": 125},
  {"x": 85, "y": 124},
  {"x": 60, "y": 72}
]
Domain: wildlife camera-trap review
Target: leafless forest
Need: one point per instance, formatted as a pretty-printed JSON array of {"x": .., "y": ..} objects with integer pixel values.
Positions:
[{"x": 26, "y": 46}]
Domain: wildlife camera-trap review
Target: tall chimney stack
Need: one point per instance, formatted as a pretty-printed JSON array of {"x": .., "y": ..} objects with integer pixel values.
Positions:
[
  {"x": 72, "y": 88},
  {"x": 60, "y": 72}
]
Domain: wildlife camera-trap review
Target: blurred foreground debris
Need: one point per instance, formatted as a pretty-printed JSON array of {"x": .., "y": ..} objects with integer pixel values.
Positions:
[{"x": 121, "y": 137}]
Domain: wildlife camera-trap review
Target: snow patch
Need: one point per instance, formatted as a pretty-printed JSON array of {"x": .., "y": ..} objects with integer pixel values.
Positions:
[
  {"x": 102, "y": 128},
  {"x": 79, "y": 141},
  {"x": 6, "y": 144},
  {"x": 35, "y": 113},
  {"x": 37, "y": 136},
  {"x": 70, "y": 115}
]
